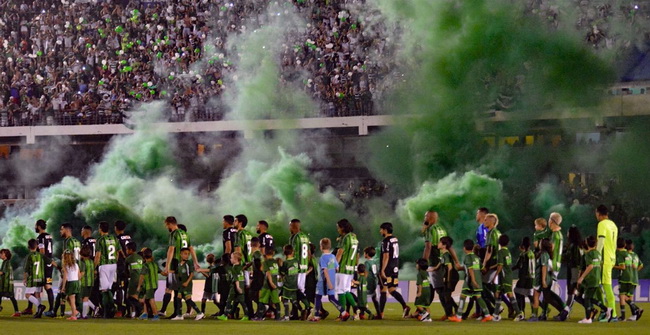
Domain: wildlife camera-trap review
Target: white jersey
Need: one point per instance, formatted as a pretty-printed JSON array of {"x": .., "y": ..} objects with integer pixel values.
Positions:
[{"x": 72, "y": 273}]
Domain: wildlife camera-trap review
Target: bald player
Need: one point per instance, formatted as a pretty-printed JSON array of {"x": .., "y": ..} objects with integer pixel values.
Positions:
[{"x": 607, "y": 235}]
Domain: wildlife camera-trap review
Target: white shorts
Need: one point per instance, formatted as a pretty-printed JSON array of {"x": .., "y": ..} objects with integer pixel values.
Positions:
[
  {"x": 32, "y": 290},
  {"x": 343, "y": 283},
  {"x": 107, "y": 276},
  {"x": 247, "y": 278},
  {"x": 302, "y": 278}
]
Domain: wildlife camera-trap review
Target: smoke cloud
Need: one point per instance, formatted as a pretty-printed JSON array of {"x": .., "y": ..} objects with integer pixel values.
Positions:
[{"x": 453, "y": 63}]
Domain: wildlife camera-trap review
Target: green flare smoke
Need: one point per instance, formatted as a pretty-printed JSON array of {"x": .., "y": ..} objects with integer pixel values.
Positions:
[
  {"x": 459, "y": 58},
  {"x": 270, "y": 180},
  {"x": 133, "y": 182}
]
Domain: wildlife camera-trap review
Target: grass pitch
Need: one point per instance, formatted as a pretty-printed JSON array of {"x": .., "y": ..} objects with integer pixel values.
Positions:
[{"x": 393, "y": 325}]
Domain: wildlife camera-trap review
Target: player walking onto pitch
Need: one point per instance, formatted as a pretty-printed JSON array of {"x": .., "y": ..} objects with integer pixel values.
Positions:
[
  {"x": 300, "y": 243},
  {"x": 90, "y": 242},
  {"x": 34, "y": 277},
  {"x": 490, "y": 280},
  {"x": 266, "y": 239},
  {"x": 243, "y": 246},
  {"x": 229, "y": 235},
  {"x": 347, "y": 256},
  {"x": 106, "y": 258},
  {"x": 46, "y": 248},
  {"x": 178, "y": 239},
  {"x": 607, "y": 235},
  {"x": 87, "y": 280},
  {"x": 389, "y": 271},
  {"x": 122, "y": 284},
  {"x": 433, "y": 232}
]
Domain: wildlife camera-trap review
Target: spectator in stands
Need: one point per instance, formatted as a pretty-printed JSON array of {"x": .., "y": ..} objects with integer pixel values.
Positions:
[{"x": 83, "y": 61}]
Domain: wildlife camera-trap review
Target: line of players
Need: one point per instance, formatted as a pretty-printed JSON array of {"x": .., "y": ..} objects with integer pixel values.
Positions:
[
  {"x": 488, "y": 267},
  {"x": 94, "y": 272},
  {"x": 248, "y": 272}
]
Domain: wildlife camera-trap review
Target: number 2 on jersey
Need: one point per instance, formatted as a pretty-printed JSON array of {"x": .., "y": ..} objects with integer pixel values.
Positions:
[{"x": 111, "y": 252}]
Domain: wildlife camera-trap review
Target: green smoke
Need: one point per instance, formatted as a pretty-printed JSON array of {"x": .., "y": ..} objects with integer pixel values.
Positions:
[
  {"x": 133, "y": 182},
  {"x": 628, "y": 157},
  {"x": 456, "y": 198},
  {"x": 462, "y": 57},
  {"x": 278, "y": 191},
  {"x": 261, "y": 90},
  {"x": 271, "y": 179},
  {"x": 459, "y": 60},
  {"x": 462, "y": 60}
]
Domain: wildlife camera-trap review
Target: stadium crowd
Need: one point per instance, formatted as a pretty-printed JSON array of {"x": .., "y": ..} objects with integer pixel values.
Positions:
[{"x": 88, "y": 61}]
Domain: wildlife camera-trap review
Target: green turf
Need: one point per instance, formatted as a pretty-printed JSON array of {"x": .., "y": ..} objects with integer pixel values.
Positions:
[{"x": 394, "y": 325}]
